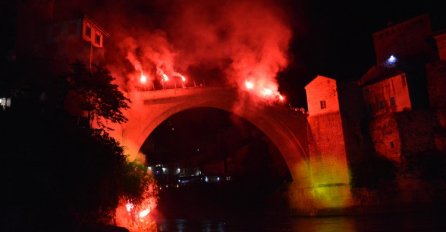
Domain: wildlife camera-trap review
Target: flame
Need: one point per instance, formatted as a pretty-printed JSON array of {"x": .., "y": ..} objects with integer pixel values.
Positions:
[
  {"x": 281, "y": 97},
  {"x": 138, "y": 217},
  {"x": 267, "y": 92},
  {"x": 249, "y": 85},
  {"x": 129, "y": 206},
  {"x": 143, "y": 79},
  {"x": 264, "y": 90},
  {"x": 144, "y": 213},
  {"x": 165, "y": 77},
  {"x": 183, "y": 78}
]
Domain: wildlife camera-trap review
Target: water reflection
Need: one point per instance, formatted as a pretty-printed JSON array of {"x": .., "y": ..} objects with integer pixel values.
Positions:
[
  {"x": 326, "y": 224},
  {"x": 418, "y": 222}
]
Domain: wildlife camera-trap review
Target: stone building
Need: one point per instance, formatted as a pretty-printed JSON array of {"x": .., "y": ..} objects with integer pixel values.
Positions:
[
  {"x": 399, "y": 107},
  {"x": 56, "y": 35},
  {"x": 334, "y": 129},
  {"x": 436, "y": 85},
  {"x": 396, "y": 90}
]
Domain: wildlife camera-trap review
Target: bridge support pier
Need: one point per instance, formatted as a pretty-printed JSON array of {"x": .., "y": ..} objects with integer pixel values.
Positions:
[
  {"x": 321, "y": 186},
  {"x": 328, "y": 199}
]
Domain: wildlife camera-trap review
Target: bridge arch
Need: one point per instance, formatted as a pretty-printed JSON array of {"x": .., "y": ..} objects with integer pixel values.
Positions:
[{"x": 286, "y": 129}]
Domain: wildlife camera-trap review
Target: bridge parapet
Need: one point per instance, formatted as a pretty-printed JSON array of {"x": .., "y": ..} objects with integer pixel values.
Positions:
[{"x": 179, "y": 92}]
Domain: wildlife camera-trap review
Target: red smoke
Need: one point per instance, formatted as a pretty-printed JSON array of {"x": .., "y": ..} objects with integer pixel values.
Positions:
[{"x": 245, "y": 40}]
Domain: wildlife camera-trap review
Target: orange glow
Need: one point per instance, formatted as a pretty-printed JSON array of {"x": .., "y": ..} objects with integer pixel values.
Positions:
[
  {"x": 144, "y": 213},
  {"x": 129, "y": 206},
  {"x": 183, "y": 78},
  {"x": 143, "y": 79},
  {"x": 249, "y": 85},
  {"x": 165, "y": 77},
  {"x": 264, "y": 90},
  {"x": 138, "y": 216},
  {"x": 257, "y": 46},
  {"x": 267, "y": 92},
  {"x": 281, "y": 97}
]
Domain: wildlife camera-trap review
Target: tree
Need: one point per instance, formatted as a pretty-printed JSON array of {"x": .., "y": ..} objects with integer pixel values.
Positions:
[
  {"x": 97, "y": 94},
  {"x": 53, "y": 170}
]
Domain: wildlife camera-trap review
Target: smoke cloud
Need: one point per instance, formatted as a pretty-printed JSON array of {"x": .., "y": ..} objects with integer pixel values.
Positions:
[{"x": 218, "y": 41}]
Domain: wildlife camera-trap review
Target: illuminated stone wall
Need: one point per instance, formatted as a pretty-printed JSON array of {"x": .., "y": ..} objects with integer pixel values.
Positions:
[
  {"x": 327, "y": 145},
  {"x": 386, "y": 137},
  {"x": 441, "y": 45},
  {"x": 322, "y": 96},
  {"x": 389, "y": 95}
]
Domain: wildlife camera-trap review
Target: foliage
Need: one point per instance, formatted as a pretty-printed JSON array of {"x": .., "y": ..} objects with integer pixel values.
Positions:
[
  {"x": 99, "y": 96},
  {"x": 52, "y": 168}
]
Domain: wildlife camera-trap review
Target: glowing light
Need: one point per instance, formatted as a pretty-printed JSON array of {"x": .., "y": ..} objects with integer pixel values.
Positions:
[
  {"x": 165, "y": 77},
  {"x": 137, "y": 217},
  {"x": 392, "y": 59},
  {"x": 249, "y": 85},
  {"x": 143, "y": 79},
  {"x": 183, "y": 78},
  {"x": 267, "y": 92},
  {"x": 129, "y": 206},
  {"x": 144, "y": 213},
  {"x": 281, "y": 97}
]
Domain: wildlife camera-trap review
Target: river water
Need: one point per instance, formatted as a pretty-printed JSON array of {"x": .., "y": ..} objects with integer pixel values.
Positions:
[
  {"x": 219, "y": 210},
  {"x": 392, "y": 222}
]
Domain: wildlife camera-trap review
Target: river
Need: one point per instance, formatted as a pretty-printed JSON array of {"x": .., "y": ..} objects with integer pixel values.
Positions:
[
  {"x": 420, "y": 222},
  {"x": 220, "y": 210}
]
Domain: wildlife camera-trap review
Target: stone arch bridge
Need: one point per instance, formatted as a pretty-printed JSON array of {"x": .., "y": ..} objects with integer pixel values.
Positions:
[{"x": 285, "y": 128}]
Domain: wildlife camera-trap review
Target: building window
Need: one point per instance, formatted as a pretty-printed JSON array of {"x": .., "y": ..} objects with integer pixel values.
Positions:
[
  {"x": 5, "y": 103},
  {"x": 88, "y": 31},
  {"x": 392, "y": 145},
  {"x": 98, "y": 39},
  {"x": 381, "y": 104},
  {"x": 392, "y": 101},
  {"x": 323, "y": 104}
]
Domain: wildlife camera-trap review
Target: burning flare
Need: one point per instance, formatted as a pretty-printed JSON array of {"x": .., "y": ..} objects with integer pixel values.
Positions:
[
  {"x": 137, "y": 216},
  {"x": 143, "y": 79}
]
